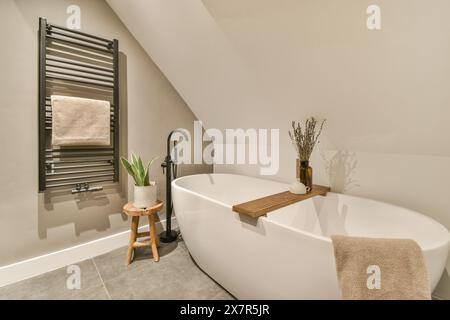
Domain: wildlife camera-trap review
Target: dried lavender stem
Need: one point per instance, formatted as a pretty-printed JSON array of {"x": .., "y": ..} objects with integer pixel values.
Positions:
[{"x": 305, "y": 140}]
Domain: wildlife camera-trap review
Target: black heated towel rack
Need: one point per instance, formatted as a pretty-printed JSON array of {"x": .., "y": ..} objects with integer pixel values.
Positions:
[{"x": 77, "y": 64}]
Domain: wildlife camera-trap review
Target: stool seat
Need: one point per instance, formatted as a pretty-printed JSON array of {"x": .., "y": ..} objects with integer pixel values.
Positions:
[
  {"x": 132, "y": 211},
  {"x": 135, "y": 213}
]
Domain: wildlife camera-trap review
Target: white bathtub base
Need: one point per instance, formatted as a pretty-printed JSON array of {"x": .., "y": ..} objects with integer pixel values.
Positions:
[{"x": 288, "y": 254}]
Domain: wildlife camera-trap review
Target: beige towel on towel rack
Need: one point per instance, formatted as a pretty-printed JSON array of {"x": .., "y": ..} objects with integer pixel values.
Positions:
[
  {"x": 80, "y": 122},
  {"x": 380, "y": 269}
]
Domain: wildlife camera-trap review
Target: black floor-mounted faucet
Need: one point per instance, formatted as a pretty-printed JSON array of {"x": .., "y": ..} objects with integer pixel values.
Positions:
[{"x": 170, "y": 169}]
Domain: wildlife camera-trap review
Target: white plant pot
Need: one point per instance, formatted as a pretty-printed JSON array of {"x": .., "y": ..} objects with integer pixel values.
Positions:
[{"x": 145, "y": 197}]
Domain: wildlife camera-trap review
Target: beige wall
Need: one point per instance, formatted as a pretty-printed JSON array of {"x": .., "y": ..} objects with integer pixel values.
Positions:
[
  {"x": 32, "y": 224},
  {"x": 267, "y": 62}
]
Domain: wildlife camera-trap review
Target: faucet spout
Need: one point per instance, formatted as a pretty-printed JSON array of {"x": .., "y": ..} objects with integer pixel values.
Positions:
[
  {"x": 170, "y": 169},
  {"x": 169, "y": 139}
]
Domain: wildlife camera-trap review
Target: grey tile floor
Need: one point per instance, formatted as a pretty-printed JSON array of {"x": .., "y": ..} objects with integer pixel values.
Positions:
[{"x": 175, "y": 276}]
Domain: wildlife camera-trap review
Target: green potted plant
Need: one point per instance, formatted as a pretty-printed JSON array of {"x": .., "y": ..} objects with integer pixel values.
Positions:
[{"x": 144, "y": 189}]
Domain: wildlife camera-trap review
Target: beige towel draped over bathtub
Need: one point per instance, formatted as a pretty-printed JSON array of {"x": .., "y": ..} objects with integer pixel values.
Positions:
[
  {"x": 380, "y": 269},
  {"x": 80, "y": 122}
]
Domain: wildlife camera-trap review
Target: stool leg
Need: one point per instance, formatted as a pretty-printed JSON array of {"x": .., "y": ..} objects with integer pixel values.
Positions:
[
  {"x": 133, "y": 237},
  {"x": 153, "y": 237}
]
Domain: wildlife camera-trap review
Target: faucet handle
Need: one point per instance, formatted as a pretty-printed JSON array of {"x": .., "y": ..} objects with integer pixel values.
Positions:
[{"x": 163, "y": 166}]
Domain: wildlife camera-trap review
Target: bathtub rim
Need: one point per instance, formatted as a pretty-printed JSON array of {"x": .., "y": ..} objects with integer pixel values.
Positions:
[{"x": 306, "y": 233}]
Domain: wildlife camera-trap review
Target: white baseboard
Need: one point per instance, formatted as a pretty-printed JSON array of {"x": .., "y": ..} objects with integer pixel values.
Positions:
[{"x": 42, "y": 264}]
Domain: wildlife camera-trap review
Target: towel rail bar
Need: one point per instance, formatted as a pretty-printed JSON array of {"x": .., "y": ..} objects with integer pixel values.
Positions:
[
  {"x": 55, "y": 168},
  {"x": 78, "y": 38},
  {"x": 79, "y": 81},
  {"x": 78, "y": 155},
  {"x": 67, "y": 161},
  {"x": 78, "y": 150},
  {"x": 72, "y": 184},
  {"x": 48, "y": 108},
  {"x": 80, "y": 177},
  {"x": 78, "y": 64},
  {"x": 51, "y": 27},
  {"x": 79, "y": 44},
  {"x": 52, "y": 174},
  {"x": 79, "y": 76},
  {"x": 80, "y": 70},
  {"x": 116, "y": 99},
  {"x": 49, "y": 100}
]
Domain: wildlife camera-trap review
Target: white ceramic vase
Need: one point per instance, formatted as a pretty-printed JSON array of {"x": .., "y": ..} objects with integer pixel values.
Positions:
[{"x": 145, "y": 197}]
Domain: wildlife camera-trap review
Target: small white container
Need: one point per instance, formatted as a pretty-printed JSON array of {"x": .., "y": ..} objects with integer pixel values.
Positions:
[
  {"x": 298, "y": 188},
  {"x": 145, "y": 197}
]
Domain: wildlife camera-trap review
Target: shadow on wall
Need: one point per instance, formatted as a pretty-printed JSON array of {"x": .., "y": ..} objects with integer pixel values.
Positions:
[
  {"x": 89, "y": 211},
  {"x": 442, "y": 289},
  {"x": 341, "y": 169},
  {"x": 123, "y": 114},
  {"x": 330, "y": 214}
]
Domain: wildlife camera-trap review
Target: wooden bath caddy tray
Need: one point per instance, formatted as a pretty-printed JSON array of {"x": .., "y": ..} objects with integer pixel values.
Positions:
[{"x": 260, "y": 207}]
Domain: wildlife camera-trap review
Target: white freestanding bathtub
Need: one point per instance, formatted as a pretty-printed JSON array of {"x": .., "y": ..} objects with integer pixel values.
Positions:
[{"x": 288, "y": 254}]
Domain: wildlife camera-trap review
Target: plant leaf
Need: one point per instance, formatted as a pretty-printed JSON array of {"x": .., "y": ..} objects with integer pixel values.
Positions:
[
  {"x": 141, "y": 169},
  {"x": 146, "y": 178},
  {"x": 133, "y": 158},
  {"x": 150, "y": 163},
  {"x": 136, "y": 169},
  {"x": 126, "y": 164}
]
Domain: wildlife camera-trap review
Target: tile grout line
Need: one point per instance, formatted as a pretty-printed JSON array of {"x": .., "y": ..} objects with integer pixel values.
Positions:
[{"x": 101, "y": 279}]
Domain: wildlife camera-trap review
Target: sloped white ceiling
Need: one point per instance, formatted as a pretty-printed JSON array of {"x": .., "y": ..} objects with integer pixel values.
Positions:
[{"x": 195, "y": 55}]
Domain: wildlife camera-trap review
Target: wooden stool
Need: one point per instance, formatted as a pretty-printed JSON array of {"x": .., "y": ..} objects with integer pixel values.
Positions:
[{"x": 136, "y": 213}]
